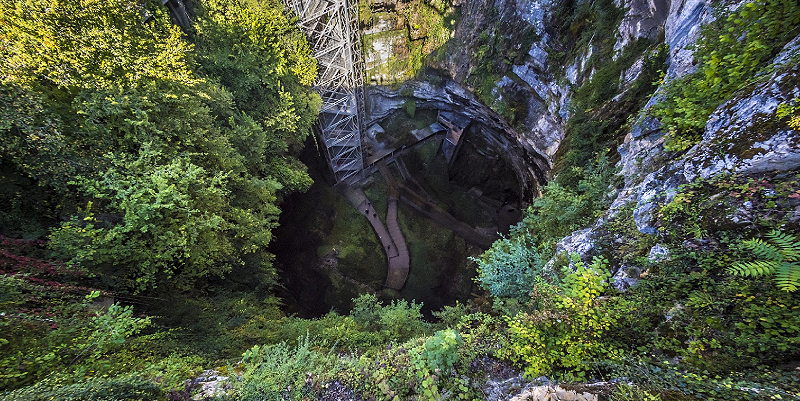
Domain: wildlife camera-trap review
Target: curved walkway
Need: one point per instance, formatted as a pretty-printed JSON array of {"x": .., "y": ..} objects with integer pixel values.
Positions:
[
  {"x": 392, "y": 240},
  {"x": 398, "y": 265}
]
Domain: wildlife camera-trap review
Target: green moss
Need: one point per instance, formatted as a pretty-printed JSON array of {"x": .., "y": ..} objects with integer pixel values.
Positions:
[
  {"x": 585, "y": 24},
  {"x": 498, "y": 48},
  {"x": 439, "y": 267},
  {"x": 621, "y": 241},
  {"x": 703, "y": 207},
  {"x": 600, "y": 120},
  {"x": 426, "y": 27}
]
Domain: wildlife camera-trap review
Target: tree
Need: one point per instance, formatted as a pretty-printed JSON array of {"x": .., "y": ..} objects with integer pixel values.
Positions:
[{"x": 168, "y": 154}]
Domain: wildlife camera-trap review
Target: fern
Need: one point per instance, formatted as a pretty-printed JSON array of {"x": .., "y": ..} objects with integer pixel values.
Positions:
[
  {"x": 788, "y": 245},
  {"x": 780, "y": 257}
]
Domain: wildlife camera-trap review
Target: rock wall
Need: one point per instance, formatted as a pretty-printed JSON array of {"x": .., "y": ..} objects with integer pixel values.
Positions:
[
  {"x": 742, "y": 136},
  {"x": 536, "y": 71},
  {"x": 529, "y": 165}
]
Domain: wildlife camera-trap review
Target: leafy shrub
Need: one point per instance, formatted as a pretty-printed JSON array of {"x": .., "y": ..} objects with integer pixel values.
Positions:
[
  {"x": 673, "y": 382},
  {"x": 561, "y": 209},
  {"x": 451, "y": 316},
  {"x": 627, "y": 392},
  {"x": 766, "y": 328},
  {"x": 398, "y": 321},
  {"x": 441, "y": 350},
  {"x": 568, "y": 330},
  {"x": 282, "y": 372},
  {"x": 790, "y": 112},
  {"x": 510, "y": 268},
  {"x": 120, "y": 388},
  {"x": 330, "y": 330},
  {"x": 69, "y": 339}
]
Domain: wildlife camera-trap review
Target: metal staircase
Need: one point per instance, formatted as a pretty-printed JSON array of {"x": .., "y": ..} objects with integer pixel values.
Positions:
[{"x": 332, "y": 30}]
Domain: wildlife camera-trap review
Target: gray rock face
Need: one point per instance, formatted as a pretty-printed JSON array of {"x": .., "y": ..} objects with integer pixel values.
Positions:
[
  {"x": 579, "y": 242},
  {"x": 210, "y": 384},
  {"x": 682, "y": 29},
  {"x": 643, "y": 19},
  {"x": 554, "y": 393},
  {"x": 625, "y": 277},
  {"x": 546, "y": 108},
  {"x": 742, "y": 136},
  {"x": 658, "y": 253},
  {"x": 642, "y": 151},
  {"x": 542, "y": 101},
  {"x": 534, "y": 12},
  {"x": 522, "y": 154}
]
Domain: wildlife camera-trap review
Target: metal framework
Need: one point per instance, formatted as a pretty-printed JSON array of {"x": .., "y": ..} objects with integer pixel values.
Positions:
[{"x": 332, "y": 30}]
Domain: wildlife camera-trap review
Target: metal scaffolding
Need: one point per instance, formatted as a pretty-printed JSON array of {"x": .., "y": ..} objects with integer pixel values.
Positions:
[{"x": 332, "y": 30}]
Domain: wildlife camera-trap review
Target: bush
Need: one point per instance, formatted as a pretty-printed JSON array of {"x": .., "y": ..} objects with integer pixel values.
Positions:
[
  {"x": 282, "y": 372},
  {"x": 568, "y": 330},
  {"x": 441, "y": 350},
  {"x": 510, "y": 268},
  {"x": 398, "y": 321},
  {"x": 120, "y": 388},
  {"x": 563, "y": 209}
]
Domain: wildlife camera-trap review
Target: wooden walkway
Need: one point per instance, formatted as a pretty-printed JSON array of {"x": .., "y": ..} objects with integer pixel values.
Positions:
[
  {"x": 398, "y": 265},
  {"x": 391, "y": 239}
]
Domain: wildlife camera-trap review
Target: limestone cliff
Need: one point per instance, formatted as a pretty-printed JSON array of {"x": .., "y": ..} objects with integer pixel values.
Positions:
[{"x": 532, "y": 67}]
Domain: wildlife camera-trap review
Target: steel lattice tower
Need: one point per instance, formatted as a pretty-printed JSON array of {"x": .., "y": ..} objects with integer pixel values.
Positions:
[{"x": 332, "y": 30}]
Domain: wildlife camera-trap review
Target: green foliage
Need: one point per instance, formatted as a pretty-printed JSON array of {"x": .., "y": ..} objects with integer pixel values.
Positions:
[
  {"x": 674, "y": 383},
  {"x": 585, "y": 24},
  {"x": 397, "y": 321},
  {"x": 441, "y": 350},
  {"x": 281, "y": 372},
  {"x": 586, "y": 283},
  {"x": 427, "y": 26},
  {"x": 451, "y": 316},
  {"x": 627, "y": 392},
  {"x": 183, "y": 145},
  {"x": 767, "y": 328},
  {"x": 780, "y": 258},
  {"x": 430, "y": 24},
  {"x": 600, "y": 108},
  {"x": 70, "y": 337},
  {"x": 561, "y": 209},
  {"x": 704, "y": 206},
  {"x": 790, "y": 112},
  {"x": 510, "y": 268},
  {"x": 731, "y": 53},
  {"x": 496, "y": 50},
  {"x": 365, "y": 13},
  {"x": 118, "y": 388},
  {"x": 369, "y": 326},
  {"x": 620, "y": 239},
  {"x": 567, "y": 331},
  {"x": 173, "y": 226}
]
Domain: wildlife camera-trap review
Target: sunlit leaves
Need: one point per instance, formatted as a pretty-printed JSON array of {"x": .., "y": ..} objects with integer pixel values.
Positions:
[{"x": 181, "y": 155}]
